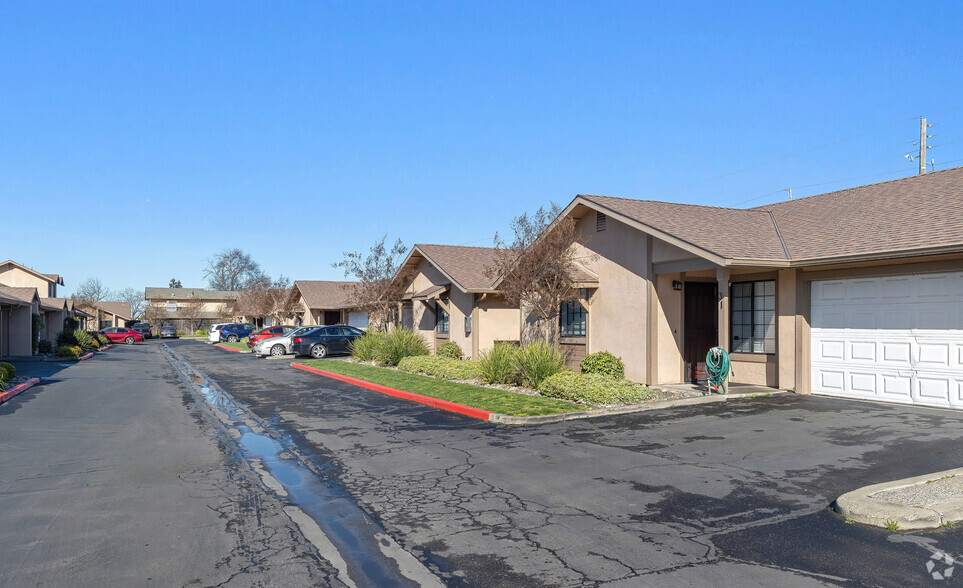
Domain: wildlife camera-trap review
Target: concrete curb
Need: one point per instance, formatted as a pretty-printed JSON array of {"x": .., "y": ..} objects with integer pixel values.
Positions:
[
  {"x": 106, "y": 347},
  {"x": 87, "y": 355},
  {"x": 505, "y": 419},
  {"x": 229, "y": 348},
  {"x": 442, "y": 404},
  {"x": 7, "y": 395},
  {"x": 861, "y": 507}
]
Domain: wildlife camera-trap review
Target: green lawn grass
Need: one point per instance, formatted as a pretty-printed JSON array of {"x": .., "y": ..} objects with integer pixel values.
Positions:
[
  {"x": 241, "y": 345},
  {"x": 499, "y": 401}
]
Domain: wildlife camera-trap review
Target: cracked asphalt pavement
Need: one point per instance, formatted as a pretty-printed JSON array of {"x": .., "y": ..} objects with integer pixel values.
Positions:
[{"x": 735, "y": 493}]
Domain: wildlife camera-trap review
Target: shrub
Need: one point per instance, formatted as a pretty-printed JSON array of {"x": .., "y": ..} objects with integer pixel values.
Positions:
[
  {"x": 538, "y": 360},
  {"x": 497, "y": 365},
  {"x": 44, "y": 346},
  {"x": 200, "y": 332},
  {"x": 85, "y": 340},
  {"x": 440, "y": 367},
  {"x": 66, "y": 338},
  {"x": 594, "y": 389},
  {"x": 180, "y": 332},
  {"x": 399, "y": 344},
  {"x": 68, "y": 351},
  {"x": 449, "y": 349},
  {"x": 71, "y": 324},
  {"x": 603, "y": 363},
  {"x": 364, "y": 347},
  {"x": 7, "y": 370},
  {"x": 102, "y": 339}
]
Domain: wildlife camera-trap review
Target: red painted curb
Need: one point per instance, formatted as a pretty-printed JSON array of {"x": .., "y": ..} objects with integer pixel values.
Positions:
[
  {"x": 106, "y": 347},
  {"x": 229, "y": 348},
  {"x": 5, "y": 396},
  {"x": 442, "y": 404},
  {"x": 87, "y": 355}
]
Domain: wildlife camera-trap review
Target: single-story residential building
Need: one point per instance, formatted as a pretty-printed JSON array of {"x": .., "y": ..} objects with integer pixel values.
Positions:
[
  {"x": 325, "y": 302},
  {"x": 17, "y": 307},
  {"x": 54, "y": 311},
  {"x": 21, "y": 276},
  {"x": 856, "y": 293},
  {"x": 183, "y": 307},
  {"x": 106, "y": 314},
  {"x": 449, "y": 298}
]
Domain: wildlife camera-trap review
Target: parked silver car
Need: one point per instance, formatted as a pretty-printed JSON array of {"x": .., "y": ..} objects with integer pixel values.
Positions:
[{"x": 278, "y": 346}]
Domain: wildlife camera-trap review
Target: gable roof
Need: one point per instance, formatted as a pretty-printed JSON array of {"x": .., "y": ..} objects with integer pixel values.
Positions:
[
  {"x": 325, "y": 294},
  {"x": 19, "y": 295},
  {"x": 464, "y": 266},
  {"x": 53, "y": 303},
  {"x": 917, "y": 214},
  {"x": 183, "y": 293},
  {"x": 52, "y": 278},
  {"x": 117, "y": 308}
]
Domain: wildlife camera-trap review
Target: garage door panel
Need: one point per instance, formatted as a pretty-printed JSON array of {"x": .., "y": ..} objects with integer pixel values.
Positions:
[{"x": 896, "y": 339}]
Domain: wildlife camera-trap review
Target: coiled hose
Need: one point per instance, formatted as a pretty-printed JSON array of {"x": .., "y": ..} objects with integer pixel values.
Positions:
[{"x": 718, "y": 368}]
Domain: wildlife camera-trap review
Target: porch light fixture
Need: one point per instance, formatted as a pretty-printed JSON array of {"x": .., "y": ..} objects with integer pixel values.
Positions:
[{"x": 676, "y": 285}]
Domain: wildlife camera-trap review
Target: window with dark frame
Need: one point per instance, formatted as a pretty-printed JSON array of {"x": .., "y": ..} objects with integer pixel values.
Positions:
[
  {"x": 441, "y": 320},
  {"x": 572, "y": 319},
  {"x": 753, "y": 317}
]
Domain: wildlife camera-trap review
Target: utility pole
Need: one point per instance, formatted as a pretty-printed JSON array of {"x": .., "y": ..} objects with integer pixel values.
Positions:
[{"x": 923, "y": 137}]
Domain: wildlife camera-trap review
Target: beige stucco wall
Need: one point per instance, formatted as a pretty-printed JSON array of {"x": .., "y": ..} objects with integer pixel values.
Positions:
[
  {"x": 495, "y": 321},
  {"x": 207, "y": 306},
  {"x": 16, "y": 325},
  {"x": 617, "y": 313},
  {"x": 668, "y": 320},
  {"x": 423, "y": 315},
  {"x": 53, "y": 323},
  {"x": 14, "y": 276}
]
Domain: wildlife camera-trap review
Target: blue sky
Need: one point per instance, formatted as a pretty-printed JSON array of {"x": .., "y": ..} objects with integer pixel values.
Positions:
[{"x": 153, "y": 134}]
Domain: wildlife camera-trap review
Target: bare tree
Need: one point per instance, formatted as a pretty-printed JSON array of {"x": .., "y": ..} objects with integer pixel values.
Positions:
[
  {"x": 377, "y": 289},
  {"x": 536, "y": 271},
  {"x": 92, "y": 290},
  {"x": 192, "y": 309},
  {"x": 231, "y": 269},
  {"x": 263, "y": 298},
  {"x": 138, "y": 304}
]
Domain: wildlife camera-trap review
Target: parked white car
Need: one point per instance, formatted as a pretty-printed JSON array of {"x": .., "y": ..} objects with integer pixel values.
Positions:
[
  {"x": 214, "y": 335},
  {"x": 277, "y": 346}
]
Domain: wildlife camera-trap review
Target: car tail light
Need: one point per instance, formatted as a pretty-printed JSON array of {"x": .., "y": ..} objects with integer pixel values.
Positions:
[{"x": 297, "y": 340}]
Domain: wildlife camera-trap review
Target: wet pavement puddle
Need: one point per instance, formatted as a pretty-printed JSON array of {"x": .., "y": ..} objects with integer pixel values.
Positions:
[{"x": 369, "y": 556}]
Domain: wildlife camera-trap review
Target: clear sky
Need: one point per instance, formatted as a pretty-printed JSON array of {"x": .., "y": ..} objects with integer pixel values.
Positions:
[{"x": 138, "y": 138}]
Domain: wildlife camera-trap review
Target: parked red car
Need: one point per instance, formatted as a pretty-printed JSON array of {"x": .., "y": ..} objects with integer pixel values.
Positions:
[
  {"x": 122, "y": 335},
  {"x": 268, "y": 332}
]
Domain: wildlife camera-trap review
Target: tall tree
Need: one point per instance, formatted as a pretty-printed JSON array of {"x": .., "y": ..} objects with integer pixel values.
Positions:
[
  {"x": 536, "y": 270},
  {"x": 376, "y": 290},
  {"x": 138, "y": 304},
  {"x": 231, "y": 269},
  {"x": 192, "y": 309},
  {"x": 92, "y": 290},
  {"x": 175, "y": 283}
]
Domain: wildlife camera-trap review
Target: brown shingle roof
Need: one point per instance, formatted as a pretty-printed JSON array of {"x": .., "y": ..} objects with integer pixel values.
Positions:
[
  {"x": 908, "y": 213},
  {"x": 53, "y": 303},
  {"x": 726, "y": 232},
  {"x": 22, "y": 295},
  {"x": 427, "y": 293},
  {"x": 325, "y": 294},
  {"x": 121, "y": 309},
  {"x": 464, "y": 265}
]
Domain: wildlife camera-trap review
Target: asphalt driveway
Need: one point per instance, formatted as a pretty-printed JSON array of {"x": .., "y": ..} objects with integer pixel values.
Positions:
[{"x": 734, "y": 493}]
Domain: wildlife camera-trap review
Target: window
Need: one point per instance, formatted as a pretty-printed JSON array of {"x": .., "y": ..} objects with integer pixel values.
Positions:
[
  {"x": 441, "y": 320},
  {"x": 572, "y": 320},
  {"x": 753, "y": 319}
]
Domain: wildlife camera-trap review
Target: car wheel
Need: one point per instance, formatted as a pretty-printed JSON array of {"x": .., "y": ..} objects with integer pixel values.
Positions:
[
  {"x": 277, "y": 350},
  {"x": 232, "y": 339},
  {"x": 319, "y": 351},
  {"x": 129, "y": 340}
]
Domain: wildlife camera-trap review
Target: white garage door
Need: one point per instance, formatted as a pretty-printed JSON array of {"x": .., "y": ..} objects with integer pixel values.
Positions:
[
  {"x": 895, "y": 339},
  {"x": 358, "y": 319}
]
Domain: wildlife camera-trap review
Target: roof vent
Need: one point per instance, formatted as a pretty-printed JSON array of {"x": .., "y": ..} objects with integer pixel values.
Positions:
[{"x": 599, "y": 222}]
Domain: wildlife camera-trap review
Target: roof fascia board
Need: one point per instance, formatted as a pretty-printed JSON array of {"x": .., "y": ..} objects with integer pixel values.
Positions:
[
  {"x": 880, "y": 256},
  {"x": 683, "y": 265}
]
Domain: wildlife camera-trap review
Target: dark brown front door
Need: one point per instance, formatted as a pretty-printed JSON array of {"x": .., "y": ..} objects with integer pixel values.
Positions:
[
  {"x": 701, "y": 327},
  {"x": 332, "y": 317}
]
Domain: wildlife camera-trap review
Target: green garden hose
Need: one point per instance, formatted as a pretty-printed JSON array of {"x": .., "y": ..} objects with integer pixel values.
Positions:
[{"x": 717, "y": 368}]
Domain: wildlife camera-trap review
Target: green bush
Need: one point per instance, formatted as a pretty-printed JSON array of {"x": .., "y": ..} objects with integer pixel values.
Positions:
[
  {"x": 85, "y": 340},
  {"x": 497, "y": 365},
  {"x": 449, "y": 349},
  {"x": 398, "y": 344},
  {"x": 44, "y": 346},
  {"x": 180, "y": 332},
  {"x": 68, "y": 351},
  {"x": 102, "y": 339},
  {"x": 538, "y": 360},
  {"x": 594, "y": 389},
  {"x": 8, "y": 371},
  {"x": 603, "y": 363},
  {"x": 364, "y": 347},
  {"x": 200, "y": 332},
  {"x": 440, "y": 367},
  {"x": 66, "y": 338}
]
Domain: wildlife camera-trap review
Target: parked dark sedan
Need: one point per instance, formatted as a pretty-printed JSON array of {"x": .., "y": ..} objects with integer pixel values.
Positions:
[
  {"x": 143, "y": 329},
  {"x": 168, "y": 333},
  {"x": 325, "y": 341}
]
